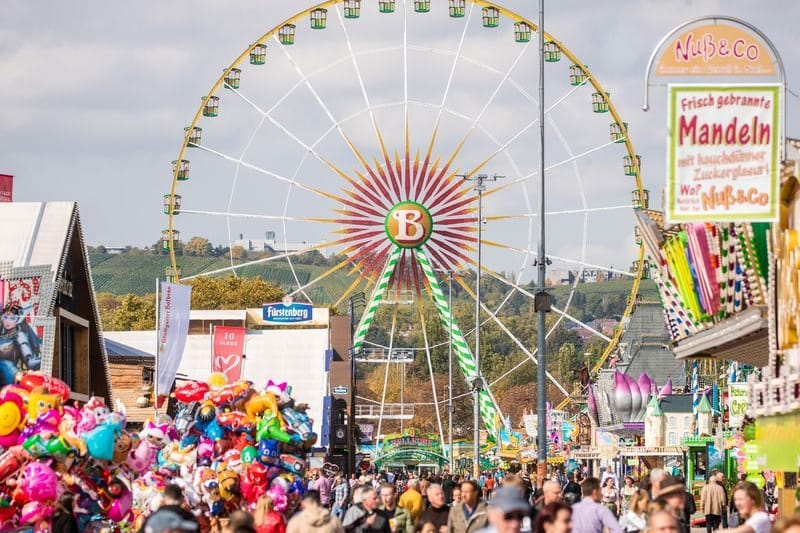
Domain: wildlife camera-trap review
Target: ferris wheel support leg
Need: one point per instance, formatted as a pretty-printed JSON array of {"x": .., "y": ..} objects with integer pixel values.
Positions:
[
  {"x": 490, "y": 412},
  {"x": 375, "y": 299}
]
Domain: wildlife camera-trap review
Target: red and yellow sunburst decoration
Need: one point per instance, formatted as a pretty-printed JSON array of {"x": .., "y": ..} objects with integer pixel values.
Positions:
[{"x": 408, "y": 205}]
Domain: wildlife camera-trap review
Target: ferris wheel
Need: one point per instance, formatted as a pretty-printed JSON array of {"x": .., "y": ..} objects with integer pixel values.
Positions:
[{"x": 356, "y": 129}]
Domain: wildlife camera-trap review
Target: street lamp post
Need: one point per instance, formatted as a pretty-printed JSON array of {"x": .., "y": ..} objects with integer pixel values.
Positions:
[
  {"x": 477, "y": 382},
  {"x": 357, "y": 299}
]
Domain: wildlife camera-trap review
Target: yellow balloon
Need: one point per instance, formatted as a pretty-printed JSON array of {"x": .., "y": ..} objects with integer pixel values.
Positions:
[{"x": 217, "y": 380}]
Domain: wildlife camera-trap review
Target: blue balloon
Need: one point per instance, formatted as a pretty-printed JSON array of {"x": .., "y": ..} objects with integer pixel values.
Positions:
[
  {"x": 100, "y": 441},
  {"x": 213, "y": 431}
]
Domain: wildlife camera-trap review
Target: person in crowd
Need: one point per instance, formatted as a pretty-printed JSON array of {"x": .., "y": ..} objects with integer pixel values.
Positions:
[
  {"x": 267, "y": 519},
  {"x": 426, "y": 527},
  {"x": 340, "y": 493},
  {"x": 469, "y": 514},
  {"x": 516, "y": 482},
  {"x": 171, "y": 514},
  {"x": 571, "y": 491},
  {"x": 323, "y": 485},
  {"x": 363, "y": 517},
  {"x": 750, "y": 506},
  {"x": 456, "y": 495},
  {"x": 713, "y": 502},
  {"x": 411, "y": 500},
  {"x": 677, "y": 468},
  {"x": 626, "y": 493},
  {"x": 663, "y": 521},
  {"x": 239, "y": 522},
  {"x": 673, "y": 493},
  {"x": 424, "y": 483},
  {"x": 506, "y": 511},
  {"x": 787, "y": 524},
  {"x": 610, "y": 496},
  {"x": 589, "y": 515},
  {"x": 609, "y": 474},
  {"x": 64, "y": 516},
  {"x": 554, "y": 518},
  {"x": 657, "y": 475},
  {"x": 448, "y": 482},
  {"x": 721, "y": 482},
  {"x": 634, "y": 519},
  {"x": 314, "y": 517},
  {"x": 399, "y": 519},
  {"x": 438, "y": 511}
]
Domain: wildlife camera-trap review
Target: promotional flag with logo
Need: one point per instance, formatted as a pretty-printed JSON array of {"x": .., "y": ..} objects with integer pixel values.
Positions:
[
  {"x": 228, "y": 351},
  {"x": 173, "y": 327},
  {"x": 6, "y": 188}
]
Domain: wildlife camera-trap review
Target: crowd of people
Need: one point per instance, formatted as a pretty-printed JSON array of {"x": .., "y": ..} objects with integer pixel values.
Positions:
[{"x": 493, "y": 503}]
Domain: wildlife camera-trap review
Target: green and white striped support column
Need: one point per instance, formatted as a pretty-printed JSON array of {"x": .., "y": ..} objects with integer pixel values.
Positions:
[
  {"x": 466, "y": 361},
  {"x": 375, "y": 299}
]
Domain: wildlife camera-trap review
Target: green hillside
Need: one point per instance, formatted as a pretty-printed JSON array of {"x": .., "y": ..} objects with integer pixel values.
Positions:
[{"x": 137, "y": 273}]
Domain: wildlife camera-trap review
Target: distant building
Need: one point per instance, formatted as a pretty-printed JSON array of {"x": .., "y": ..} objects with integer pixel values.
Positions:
[{"x": 270, "y": 243}]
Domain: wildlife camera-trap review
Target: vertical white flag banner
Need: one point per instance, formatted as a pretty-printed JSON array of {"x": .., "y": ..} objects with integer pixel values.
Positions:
[{"x": 173, "y": 327}]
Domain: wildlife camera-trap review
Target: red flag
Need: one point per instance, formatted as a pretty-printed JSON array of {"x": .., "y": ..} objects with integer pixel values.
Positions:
[
  {"x": 6, "y": 187},
  {"x": 228, "y": 351}
]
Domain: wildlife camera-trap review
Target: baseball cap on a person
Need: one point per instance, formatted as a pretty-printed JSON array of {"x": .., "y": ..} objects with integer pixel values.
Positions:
[
  {"x": 168, "y": 521},
  {"x": 509, "y": 500}
]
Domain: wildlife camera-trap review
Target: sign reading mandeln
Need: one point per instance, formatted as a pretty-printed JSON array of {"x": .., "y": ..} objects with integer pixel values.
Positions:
[{"x": 723, "y": 153}]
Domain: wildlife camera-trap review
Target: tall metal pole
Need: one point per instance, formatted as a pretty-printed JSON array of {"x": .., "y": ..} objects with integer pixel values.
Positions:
[
  {"x": 476, "y": 467},
  {"x": 450, "y": 373},
  {"x": 541, "y": 263},
  {"x": 350, "y": 466},
  {"x": 155, "y": 362}
]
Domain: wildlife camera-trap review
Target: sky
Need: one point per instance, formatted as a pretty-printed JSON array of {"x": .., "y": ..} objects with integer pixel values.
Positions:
[{"x": 96, "y": 95}]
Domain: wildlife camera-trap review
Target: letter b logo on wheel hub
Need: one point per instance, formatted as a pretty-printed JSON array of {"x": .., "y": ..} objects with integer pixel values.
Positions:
[{"x": 408, "y": 224}]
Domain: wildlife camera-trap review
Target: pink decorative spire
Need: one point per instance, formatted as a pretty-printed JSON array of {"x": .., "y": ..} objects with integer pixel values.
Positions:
[
  {"x": 622, "y": 396},
  {"x": 666, "y": 390}
]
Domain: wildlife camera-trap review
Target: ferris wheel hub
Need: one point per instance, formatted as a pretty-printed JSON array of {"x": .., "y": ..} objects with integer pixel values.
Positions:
[{"x": 408, "y": 224}]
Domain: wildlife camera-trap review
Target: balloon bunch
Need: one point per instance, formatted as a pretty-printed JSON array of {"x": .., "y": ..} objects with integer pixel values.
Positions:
[
  {"x": 50, "y": 447},
  {"x": 229, "y": 444}
]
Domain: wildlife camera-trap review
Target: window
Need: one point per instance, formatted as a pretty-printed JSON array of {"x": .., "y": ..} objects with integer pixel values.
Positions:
[
  {"x": 673, "y": 422},
  {"x": 673, "y": 439},
  {"x": 687, "y": 422}
]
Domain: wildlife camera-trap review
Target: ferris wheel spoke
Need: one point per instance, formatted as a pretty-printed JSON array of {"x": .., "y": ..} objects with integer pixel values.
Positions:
[
  {"x": 508, "y": 332},
  {"x": 388, "y": 364},
  {"x": 269, "y": 259},
  {"x": 335, "y": 268},
  {"x": 551, "y": 167},
  {"x": 560, "y": 212},
  {"x": 430, "y": 369},
  {"x": 258, "y": 216},
  {"x": 268, "y": 116},
  {"x": 591, "y": 265},
  {"x": 377, "y": 131},
  {"x": 521, "y": 132},
  {"x": 238, "y": 161},
  {"x": 419, "y": 184},
  {"x": 435, "y": 183},
  {"x": 336, "y": 123}
]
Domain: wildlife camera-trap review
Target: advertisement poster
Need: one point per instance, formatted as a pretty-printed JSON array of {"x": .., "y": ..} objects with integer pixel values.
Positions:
[
  {"x": 738, "y": 398},
  {"x": 173, "y": 327},
  {"x": 228, "y": 350},
  {"x": 27, "y": 332},
  {"x": 6, "y": 188},
  {"x": 723, "y": 153}
]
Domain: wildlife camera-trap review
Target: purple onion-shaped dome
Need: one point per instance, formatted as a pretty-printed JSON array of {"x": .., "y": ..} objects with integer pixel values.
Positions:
[
  {"x": 666, "y": 390},
  {"x": 636, "y": 398},
  {"x": 622, "y": 396}
]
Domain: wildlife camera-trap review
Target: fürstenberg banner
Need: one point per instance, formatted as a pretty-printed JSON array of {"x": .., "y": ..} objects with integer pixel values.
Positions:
[
  {"x": 173, "y": 327},
  {"x": 723, "y": 152}
]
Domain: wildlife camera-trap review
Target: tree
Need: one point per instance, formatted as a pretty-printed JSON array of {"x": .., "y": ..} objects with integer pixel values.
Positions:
[
  {"x": 232, "y": 292},
  {"x": 237, "y": 252},
  {"x": 198, "y": 246},
  {"x": 132, "y": 313}
]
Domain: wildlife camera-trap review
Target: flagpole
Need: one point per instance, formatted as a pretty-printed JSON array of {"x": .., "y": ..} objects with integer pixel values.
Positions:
[
  {"x": 211, "y": 340},
  {"x": 155, "y": 369}
]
